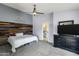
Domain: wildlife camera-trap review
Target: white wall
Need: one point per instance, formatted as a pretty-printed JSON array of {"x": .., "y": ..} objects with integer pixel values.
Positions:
[
  {"x": 37, "y": 25},
  {"x": 51, "y": 28}
]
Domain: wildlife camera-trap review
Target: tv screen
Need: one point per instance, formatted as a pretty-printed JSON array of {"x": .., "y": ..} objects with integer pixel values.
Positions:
[{"x": 68, "y": 29}]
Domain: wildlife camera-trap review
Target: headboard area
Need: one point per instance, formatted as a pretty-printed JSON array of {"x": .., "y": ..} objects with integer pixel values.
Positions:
[{"x": 8, "y": 27}]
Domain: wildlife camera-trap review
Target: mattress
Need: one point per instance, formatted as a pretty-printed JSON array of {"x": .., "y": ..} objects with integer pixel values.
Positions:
[{"x": 17, "y": 41}]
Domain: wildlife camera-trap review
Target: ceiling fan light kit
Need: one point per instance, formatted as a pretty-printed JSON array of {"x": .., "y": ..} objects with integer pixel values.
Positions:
[{"x": 34, "y": 13}]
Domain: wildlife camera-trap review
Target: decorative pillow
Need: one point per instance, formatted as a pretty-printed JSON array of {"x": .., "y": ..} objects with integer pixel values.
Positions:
[
  {"x": 19, "y": 34},
  {"x": 12, "y": 34}
]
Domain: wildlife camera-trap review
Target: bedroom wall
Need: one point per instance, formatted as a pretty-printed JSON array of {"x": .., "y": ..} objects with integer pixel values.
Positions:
[
  {"x": 9, "y": 14},
  {"x": 38, "y": 21}
]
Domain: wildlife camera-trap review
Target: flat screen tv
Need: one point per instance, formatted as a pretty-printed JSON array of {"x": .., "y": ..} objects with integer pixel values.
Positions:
[{"x": 68, "y": 29}]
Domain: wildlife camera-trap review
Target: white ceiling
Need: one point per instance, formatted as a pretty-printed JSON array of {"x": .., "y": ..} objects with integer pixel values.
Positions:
[{"x": 44, "y": 7}]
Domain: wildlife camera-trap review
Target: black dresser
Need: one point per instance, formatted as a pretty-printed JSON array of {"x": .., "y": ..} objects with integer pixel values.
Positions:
[{"x": 68, "y": 42}]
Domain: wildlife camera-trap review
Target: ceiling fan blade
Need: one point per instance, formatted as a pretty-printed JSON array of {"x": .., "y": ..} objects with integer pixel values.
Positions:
[
  {"x": 29, "y": 12},
  {"x": 39, "y": 13}
]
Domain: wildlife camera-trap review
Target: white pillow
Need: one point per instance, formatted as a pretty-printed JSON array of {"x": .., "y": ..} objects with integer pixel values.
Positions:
[{"x": 19, "y": 34}]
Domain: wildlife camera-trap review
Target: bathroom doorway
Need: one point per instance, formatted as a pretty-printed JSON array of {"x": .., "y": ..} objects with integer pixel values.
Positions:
[{"x": 45, "y": 31}]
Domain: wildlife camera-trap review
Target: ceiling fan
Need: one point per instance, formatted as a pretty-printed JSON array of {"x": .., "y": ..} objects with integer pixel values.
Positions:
[{"x": 35, "y": 11}]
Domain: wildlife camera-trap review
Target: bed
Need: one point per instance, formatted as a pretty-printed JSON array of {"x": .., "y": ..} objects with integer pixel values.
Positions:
[{"x": 19, "y": 40}]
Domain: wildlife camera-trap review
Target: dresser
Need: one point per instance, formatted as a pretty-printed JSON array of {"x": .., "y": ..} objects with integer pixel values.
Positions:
[{"x": 67, "y": 42}]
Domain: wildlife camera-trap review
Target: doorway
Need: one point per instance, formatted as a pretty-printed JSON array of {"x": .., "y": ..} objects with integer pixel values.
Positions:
[{"x": 45, "y": 31}]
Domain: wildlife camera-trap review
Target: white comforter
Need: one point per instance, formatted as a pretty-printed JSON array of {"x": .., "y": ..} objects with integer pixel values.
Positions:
[{"x": 17, "y": 41}]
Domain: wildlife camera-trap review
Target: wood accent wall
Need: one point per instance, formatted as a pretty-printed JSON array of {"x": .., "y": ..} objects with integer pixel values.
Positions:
[{"x": 9, "y": 27}]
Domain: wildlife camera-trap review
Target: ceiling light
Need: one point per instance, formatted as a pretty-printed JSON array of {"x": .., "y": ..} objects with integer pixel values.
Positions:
[{"x": 34, "y": 13}]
